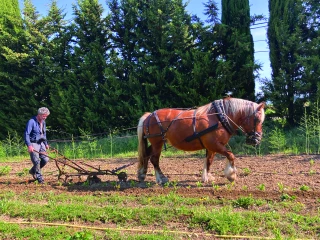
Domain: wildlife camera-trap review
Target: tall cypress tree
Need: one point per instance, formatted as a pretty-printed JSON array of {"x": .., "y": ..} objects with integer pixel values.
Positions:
[
  {"x": 284, "y": 35},
  {"x": 293, "y": 35},
  {"x": 310, "y": 51},
  {"x": 237, "y": 49}
]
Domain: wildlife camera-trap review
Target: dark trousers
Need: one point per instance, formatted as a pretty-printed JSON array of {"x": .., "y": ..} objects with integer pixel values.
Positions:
[{"x": 38, "y": 160}]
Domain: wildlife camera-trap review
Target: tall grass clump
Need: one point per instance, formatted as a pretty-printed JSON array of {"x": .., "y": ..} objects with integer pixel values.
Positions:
[
  {"x": 92, "y": 146},
  {"x": 13, "y": 147},
  {"x": 310, "y": 128},
  {"x": 277, "y": 140}
]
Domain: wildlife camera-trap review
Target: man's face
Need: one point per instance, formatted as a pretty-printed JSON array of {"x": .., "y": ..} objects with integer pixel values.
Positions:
[{"x": 42, "y": 117}]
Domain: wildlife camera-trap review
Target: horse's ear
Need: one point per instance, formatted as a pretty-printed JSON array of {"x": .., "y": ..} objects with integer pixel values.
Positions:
[{"x": 261, "y": 106}]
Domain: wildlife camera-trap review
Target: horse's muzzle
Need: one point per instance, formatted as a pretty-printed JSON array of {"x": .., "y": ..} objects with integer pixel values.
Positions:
[{"x": 254, "y": 138}]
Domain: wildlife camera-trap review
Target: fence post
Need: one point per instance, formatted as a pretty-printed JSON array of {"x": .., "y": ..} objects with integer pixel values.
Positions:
[{"x": 111, "y": 143}]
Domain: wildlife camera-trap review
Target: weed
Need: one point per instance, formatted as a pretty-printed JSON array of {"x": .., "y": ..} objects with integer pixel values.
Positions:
[
  {"x": 312, "y": 172},
  {"x": 230, "y": 186},
  {"x": 85, "y": 235},
  {"x": 285, "y": 197},
  {"x": 86, "y": 183},
  {"x": 311, "y": 162},
  {"x": 114, "y": 184},
  {"x": 24, "y": 172},
  {"x": 261, "y": 187},
  {"x": 133, "y": 183},
  {"x": 5, "y": 170},
  {"x": 280, "y": 186},
  {"x": 215, "y": 187},
  {"x": 304, "y": 188},
  {"x": 199, "y": 184},
  {"x": 174, "y": 183},
  {"x": 117, "y": 186},
  {"x": 244, "y": 202},
  {"x": 246, "y": 171}
]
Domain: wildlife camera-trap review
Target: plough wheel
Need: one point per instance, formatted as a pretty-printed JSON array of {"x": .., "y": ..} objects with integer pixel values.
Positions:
[{"x": 122, "y": 176}]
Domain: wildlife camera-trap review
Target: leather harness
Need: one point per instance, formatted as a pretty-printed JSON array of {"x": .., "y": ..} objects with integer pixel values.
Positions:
[{"x": 219, "y": 109}]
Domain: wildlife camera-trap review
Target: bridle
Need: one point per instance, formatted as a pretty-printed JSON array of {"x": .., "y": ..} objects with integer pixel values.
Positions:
[{"x": 253, "y": 137}]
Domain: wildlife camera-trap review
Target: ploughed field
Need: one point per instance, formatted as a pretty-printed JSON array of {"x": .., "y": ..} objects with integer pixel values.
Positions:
[
  {"x": 266, "y": 177},
  {"x": 272, "y": 178}
]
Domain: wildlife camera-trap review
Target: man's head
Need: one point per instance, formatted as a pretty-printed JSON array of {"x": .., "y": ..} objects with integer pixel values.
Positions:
[{"x": 43, "y": 113}]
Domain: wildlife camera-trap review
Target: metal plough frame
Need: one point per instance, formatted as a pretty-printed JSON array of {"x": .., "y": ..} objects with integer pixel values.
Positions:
[{"x": 82, "y": 168}]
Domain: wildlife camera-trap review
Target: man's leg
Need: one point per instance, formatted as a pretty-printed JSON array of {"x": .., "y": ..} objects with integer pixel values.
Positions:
[
  {"x": 43, "y": 158},
  {"x": 36, "y": 163}
]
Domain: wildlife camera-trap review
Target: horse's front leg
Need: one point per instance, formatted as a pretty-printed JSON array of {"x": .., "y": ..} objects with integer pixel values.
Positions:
[
  {"x": 206, "y": 175},
  {"x": 230, "y": 170}
]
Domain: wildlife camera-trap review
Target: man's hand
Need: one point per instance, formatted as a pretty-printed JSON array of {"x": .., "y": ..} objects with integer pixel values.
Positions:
[
  {"x": 30, "y": 149},
  {"x": 47, "y": 146}
]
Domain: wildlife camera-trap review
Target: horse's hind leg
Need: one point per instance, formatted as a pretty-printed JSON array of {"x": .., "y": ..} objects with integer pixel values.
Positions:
[
  {"x": 142, "y": 171},
  {"x": 155, "y": 157},
  {"x": 206, "y": 175}
]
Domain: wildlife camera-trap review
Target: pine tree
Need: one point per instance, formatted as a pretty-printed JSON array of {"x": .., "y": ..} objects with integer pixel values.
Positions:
[
  {"x": 155, "y": 45},
  {"x": 12, "y": 72},
  {"x": 80, "y": 100}
]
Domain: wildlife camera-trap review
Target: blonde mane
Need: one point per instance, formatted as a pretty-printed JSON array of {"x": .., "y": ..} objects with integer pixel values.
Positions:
[
  {"x": 233, "y": 106},
  {"x": 236, "y": 105}
]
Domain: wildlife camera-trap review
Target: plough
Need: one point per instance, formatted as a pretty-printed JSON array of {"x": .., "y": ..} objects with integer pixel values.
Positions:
[{"x": 84, "y": 169}]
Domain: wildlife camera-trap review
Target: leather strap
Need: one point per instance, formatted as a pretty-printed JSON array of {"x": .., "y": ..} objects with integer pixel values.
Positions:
[{"x": 219, "y": 108}]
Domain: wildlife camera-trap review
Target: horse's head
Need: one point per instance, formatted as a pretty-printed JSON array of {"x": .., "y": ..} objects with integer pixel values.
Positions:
[{"x": 252, "y": 125}]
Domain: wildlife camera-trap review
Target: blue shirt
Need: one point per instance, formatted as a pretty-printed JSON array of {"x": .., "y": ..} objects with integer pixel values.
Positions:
[{"x": 33, "y": 133}]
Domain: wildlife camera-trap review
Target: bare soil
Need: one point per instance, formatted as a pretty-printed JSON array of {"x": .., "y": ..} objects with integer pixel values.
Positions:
[{"x": 267, "y": 177}]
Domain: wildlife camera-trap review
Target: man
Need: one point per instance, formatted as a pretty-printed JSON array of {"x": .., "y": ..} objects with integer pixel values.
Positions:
[{"x": 36, "y": 140}]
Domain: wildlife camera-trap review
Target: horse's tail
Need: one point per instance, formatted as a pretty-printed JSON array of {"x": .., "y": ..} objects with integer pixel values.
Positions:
[{"x": 143, "y": 144}]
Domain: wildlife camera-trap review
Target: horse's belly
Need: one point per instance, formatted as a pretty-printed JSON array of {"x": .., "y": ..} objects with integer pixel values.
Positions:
[{"x": 194, "y": 145}]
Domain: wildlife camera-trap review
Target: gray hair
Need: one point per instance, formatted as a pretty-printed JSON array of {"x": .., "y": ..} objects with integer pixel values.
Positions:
[{"x": 43, "y": 110}]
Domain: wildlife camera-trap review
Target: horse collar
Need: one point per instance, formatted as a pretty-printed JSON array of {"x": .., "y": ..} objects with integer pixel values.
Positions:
[{"x": 219, "y": 108}]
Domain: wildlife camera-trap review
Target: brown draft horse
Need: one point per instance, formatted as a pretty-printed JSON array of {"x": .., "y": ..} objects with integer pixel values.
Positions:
[{"x": 208, "y": 127}]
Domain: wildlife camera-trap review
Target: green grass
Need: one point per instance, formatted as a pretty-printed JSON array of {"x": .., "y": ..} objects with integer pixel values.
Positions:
[{"x": 245, "y": 216}]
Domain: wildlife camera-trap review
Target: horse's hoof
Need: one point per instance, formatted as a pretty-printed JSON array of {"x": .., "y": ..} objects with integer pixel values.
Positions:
[
  {"x": 232, "y": 177},
  {"x": 208, "y": 178},
  {"x": 230, "y": 173},
  {"x": 162, "y": 180}
]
